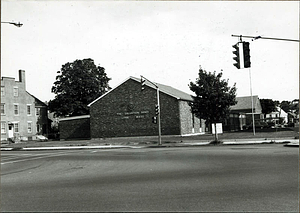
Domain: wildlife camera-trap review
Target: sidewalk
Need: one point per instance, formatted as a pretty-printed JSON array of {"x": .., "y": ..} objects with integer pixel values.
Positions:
[{"x": 99, "y": 144}]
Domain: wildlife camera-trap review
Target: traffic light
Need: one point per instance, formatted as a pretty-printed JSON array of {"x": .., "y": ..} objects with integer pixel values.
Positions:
[
  {"x": 143, "y": 82},
  {"x": 246, "y": 51},
  {"x": 156, "y": 109},
  {"x": 236, "y": 52},
  {"x": 154, "y": 120}
]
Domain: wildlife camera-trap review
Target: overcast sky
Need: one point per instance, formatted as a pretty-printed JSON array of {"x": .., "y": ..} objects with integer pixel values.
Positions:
[{"x": 164, "y": 41}]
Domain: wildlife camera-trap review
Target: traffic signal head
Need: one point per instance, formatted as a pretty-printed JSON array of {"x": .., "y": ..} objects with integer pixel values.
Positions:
[
  {"x": 154, "y": 120},
  {"x": 236, "y": 57},
  {"x": 143, "y": 81},
  {"x": 246, "y": 51},
  {"x": 156, "y": 109}
]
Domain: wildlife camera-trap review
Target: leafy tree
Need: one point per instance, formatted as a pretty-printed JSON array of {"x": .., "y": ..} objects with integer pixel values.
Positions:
[
  {"x": 290, "y": 106},
  {"x": 213, "y": 97},
  {"x": 268, "y": 105},
  {"x": 286, "y": 106},
  {"x": 78, "y": 84}
]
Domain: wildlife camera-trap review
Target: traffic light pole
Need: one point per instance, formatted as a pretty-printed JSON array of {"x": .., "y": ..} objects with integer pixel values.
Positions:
[
  {"x": 259, "y": 37},
  {"x": 247, "y": 61},
  {"x": 158, "y": 117},
  {"x": 242, "y": 58},
  {"x": 158, "y": 105},
  {"x": 252, "y": 104}
]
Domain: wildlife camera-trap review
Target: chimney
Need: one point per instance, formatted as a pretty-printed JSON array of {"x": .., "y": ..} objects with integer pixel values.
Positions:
[{"x": 22, "y": 76}]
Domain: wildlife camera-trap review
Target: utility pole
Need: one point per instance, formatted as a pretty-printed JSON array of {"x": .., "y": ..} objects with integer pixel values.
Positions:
[{"x": 143, "y": 79}]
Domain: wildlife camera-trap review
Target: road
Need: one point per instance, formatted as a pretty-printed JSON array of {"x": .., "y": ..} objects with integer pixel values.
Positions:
[{"x": 210, "y": 178}]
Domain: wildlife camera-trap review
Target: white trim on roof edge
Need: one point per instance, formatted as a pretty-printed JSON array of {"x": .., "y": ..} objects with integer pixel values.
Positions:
[
  {"x": 133, "y": 78},
  {"x": 108, "y": 91},
  {"x": 74, "y": 117}
]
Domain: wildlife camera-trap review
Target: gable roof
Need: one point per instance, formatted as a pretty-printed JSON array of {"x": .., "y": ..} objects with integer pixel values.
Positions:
[
  {"x": 169, "y": 90},
  {"x": 244, "y": 103},
  {"x": 38, "y": 102},
  {"x": 178, "y": 94}
]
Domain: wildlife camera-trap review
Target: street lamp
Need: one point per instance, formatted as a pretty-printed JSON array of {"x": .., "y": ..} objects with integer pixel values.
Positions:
[{"x": 14, "y": 23}]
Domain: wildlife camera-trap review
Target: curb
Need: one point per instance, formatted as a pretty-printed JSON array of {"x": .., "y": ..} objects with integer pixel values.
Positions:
[
  {"x": 77, "y": 147},
  {"x": 288, "y": 143},
  {"x": 67, "y": 148}
]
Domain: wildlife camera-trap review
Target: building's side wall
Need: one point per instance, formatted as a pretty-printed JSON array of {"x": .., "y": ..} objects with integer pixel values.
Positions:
[
  {"x": 128, "y": 111},
  {"x": 75, "y": 129},
  {"x": 258, "y": 108},
  {"x": 42, "y": 118},
  {"x": 188, "y": 121}
]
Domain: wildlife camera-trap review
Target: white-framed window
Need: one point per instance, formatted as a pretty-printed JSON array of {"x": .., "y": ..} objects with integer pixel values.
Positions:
[
  {"x": 16, "y": 127},
  {"x": 37, "y": 111},
  {"x": 29, "y": 127},
  {"x": 16, "y": 109},
  {"x": 16, "y": 91},
  {"x": 2, "y": 109},
  {"x": 2, "y": 91},
  {"x": 28, "y": 109},
  {"x": 3, "y": 127}
]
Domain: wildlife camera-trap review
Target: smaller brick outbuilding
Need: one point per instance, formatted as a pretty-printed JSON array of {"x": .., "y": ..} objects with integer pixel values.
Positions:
[
  {"x": 126, "y": 110},
  {"x": 77, "y": 127}
]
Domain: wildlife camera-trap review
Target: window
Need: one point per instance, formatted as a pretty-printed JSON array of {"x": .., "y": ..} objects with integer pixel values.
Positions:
[
  {"x": 16, "y": 109},
  {"x": 3, "y": 127},
  {"x": 16, "y": 91},
  {"x": 37, "y": 128},
  {"x": 37, "y": 111},
  {"x": 2, "y": 91},
  {"x": 28, "y": 109},
  {"x": 2, "y": 109},
  {"x": 16, "y": 127},
  {"x": 29, "y": 127}
]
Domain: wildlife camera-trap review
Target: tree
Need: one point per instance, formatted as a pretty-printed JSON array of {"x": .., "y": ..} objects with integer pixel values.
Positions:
[
  {"x": 268, "y": 105},
  {"x": 286, "y": 106},
  {"x": 213, "y": 97},
  {"x": 290, "y": 106},
  {"x": 78, "y": 84}
]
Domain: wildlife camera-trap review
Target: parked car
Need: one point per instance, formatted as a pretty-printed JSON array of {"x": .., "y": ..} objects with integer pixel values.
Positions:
[{"x": 258, "y": 125}]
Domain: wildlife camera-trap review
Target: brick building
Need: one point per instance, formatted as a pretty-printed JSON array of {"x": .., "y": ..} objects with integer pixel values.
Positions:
[
  {"x": 76, "y": 127},
  {"x": 126, "y": 110},
  {"x": 23, "y": 116}
]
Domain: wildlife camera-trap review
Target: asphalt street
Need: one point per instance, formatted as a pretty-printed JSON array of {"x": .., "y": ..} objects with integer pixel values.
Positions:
[{"x": 209, "y": 178}]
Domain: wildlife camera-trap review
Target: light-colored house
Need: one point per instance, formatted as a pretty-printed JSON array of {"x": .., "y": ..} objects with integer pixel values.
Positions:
[
  {"x": 277, "y": 117},
  {"x": 23, "y": 116}
]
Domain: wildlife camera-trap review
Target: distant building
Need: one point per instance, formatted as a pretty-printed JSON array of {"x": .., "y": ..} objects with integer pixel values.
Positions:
[
  {"x": 127, "y": 111},
  {"x": 23, "y": 116},
  {"x": 241, "y": 113},
  {"x": 277, "y": 117}
]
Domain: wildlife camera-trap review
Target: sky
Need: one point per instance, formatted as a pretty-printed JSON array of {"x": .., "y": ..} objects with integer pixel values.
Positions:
[{"x": 165, "y": 41}]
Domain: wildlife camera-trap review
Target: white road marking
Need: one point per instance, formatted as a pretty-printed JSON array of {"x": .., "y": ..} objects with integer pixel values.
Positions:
[{"x": 39, "y": 156}]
